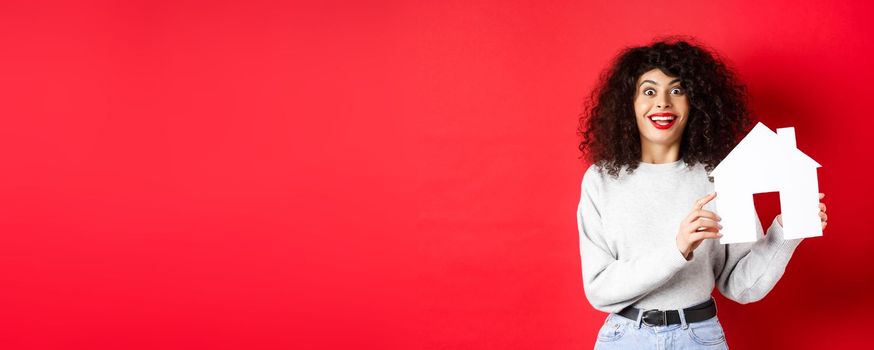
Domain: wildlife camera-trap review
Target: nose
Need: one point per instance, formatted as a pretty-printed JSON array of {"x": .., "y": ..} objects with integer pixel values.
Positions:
[{"x": 663, "y": 103}]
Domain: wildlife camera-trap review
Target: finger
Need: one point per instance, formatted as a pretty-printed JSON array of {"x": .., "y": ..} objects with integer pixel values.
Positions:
[
  {"x": 705, "y": 227},
  {"x": 823, "y": 216},
  {"x": 821, "y": 195},
  {"x": 701, "y": 213},
  {"x": 822, "y": 207},
  {"x": 704, "y": 200},
  {"x": 702, "y": 235},
  {"x": 704, "y": 222}
]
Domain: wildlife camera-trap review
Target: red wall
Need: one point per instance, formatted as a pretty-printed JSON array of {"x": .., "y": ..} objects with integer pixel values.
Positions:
[{"x": 247, "y": 175}]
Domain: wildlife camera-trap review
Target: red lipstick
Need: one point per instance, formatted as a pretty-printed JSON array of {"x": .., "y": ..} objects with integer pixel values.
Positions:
[{"x": 663, "y": 120}]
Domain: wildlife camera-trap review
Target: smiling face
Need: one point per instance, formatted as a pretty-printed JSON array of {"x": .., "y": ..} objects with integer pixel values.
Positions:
[{"x": 661, "y": 108}]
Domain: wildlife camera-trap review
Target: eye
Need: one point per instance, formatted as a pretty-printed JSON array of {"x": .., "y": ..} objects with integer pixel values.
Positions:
[
  {"x": 677, "y": 91},
  {"x": 649, "y": 92}
]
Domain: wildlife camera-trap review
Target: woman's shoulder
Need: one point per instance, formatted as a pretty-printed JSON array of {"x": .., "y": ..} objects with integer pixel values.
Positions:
[
  {"x": 595, "y": 176},
  {"x": 598, "y": 173},
  {"x": 593, "y": 172},
  {"x": 700, "y": 171}
]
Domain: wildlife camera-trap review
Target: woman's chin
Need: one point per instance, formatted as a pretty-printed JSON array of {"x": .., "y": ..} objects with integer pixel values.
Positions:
[{"x": 664, "y": 139}]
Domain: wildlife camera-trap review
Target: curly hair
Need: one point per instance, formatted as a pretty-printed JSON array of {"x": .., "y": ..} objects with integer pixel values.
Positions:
[{"x": 718, "y": 108}]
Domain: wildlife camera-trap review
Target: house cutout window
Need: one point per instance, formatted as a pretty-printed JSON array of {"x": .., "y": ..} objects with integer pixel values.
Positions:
[
  {"x": 764, "y": 162},
  {"x": 767, "y": 207}
]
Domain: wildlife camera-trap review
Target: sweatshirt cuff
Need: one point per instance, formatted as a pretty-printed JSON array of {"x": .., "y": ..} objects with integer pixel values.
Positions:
[{"x": 775, "y": 236}]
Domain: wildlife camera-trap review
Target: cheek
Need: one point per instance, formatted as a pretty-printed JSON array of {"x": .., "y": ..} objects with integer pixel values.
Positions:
[
  {"x": 683, "y": 104},
  {"x": 641, "y": 107}
]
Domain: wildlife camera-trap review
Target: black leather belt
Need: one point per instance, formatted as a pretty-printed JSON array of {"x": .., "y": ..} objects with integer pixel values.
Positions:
[{"x": 655, "y": 317}]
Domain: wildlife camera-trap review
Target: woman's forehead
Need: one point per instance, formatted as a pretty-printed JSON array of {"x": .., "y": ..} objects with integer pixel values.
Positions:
[{"x": 657, "y": 77}]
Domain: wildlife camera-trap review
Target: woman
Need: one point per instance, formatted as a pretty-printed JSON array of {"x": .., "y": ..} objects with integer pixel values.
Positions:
[{"x": 662, "y": 118}]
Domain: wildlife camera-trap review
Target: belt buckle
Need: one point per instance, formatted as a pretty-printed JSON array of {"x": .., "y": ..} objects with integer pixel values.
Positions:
[{"x": 655, "y": 312}]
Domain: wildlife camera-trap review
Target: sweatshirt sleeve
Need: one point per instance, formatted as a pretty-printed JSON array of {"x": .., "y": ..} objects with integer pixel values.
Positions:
[
  {"x": 752, "y": 269},
  {"x": 610, "y": 284}
]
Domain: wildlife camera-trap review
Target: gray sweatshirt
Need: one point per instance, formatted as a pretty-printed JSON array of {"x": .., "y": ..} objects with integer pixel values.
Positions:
[{"x": 628, "y": 228}]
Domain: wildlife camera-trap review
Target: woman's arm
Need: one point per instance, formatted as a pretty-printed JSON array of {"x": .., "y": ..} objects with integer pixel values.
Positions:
[
  {"x": 610, "y": 284},
  {"x": 752, "y": 269}
]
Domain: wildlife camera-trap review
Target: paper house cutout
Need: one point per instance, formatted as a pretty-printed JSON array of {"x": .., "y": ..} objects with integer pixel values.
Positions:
[{"x": 766, "y": 162}]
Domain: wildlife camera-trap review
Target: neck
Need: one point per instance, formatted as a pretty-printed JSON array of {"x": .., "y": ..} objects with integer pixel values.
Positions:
[{"x": 659, "y": 154}]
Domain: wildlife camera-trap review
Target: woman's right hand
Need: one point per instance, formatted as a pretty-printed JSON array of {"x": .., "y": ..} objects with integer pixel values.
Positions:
[{"x": 699, "y": 225}]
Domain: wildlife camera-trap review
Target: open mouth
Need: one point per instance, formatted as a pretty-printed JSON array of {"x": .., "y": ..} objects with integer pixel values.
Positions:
[{"x": 662, "y": 120}]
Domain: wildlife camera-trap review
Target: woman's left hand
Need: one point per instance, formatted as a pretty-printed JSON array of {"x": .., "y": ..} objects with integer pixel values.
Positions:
[{"x": 822, "y": 216}]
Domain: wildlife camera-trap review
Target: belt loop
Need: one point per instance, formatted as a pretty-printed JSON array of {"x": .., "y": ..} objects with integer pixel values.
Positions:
[
  {"x": 639, "y": 318},
  {"x": 683, "y": 318}
]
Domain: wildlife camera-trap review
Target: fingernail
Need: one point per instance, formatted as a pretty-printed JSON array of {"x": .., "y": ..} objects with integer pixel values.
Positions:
[{"x": 720, "y": 226}]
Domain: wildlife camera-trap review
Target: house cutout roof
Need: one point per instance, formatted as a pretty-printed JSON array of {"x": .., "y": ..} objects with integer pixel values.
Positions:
[{"x": 763, "y": 147}]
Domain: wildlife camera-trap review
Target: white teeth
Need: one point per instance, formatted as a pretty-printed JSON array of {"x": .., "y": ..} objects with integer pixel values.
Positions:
[{"x": 660, "y": 118}]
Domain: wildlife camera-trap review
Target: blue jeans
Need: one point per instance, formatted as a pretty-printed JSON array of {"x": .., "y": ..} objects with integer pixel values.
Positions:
[{"x": 621, "y": 333}]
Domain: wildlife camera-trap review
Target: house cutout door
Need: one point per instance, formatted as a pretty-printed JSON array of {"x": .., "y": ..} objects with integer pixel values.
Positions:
[{"x": 767, "y": 207}]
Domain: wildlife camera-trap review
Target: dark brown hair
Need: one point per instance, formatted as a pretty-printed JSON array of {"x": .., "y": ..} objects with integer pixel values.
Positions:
[{"x": 718, "y": 112}]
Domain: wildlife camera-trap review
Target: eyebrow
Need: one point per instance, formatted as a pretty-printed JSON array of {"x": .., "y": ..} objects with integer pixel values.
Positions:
[{"x": 654, "y": 83}]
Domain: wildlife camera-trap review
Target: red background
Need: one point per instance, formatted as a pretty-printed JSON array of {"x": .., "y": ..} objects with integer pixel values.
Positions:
[{"x": 216, "y": 174}]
